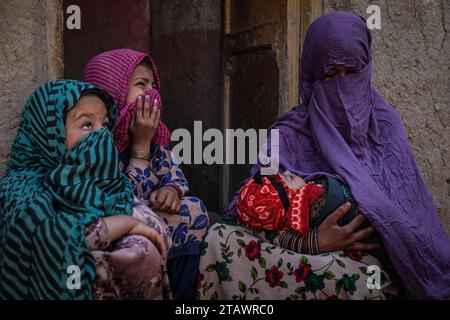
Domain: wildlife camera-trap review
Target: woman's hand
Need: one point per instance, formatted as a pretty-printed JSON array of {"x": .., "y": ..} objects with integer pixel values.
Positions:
[
  {"x": 122, "y": 225},
  {"x": 166, "y": 199},
  {"x": 333, "y": 237},
  {"x": 143, "y": 124}
]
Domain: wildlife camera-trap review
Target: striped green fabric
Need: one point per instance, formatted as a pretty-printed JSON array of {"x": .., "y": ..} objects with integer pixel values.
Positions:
[{"x": 50, "y": 194}]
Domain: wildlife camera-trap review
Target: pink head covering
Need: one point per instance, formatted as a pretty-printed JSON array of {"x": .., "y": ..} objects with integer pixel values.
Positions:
[{"x": 111, "y": 71}]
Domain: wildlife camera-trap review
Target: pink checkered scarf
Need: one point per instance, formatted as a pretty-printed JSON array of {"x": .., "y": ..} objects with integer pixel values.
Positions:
[{"x": 111, "y": 71}]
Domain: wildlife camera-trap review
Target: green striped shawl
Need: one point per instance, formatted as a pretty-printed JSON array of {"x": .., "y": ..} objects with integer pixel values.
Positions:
[{"x": 50, "y": 194}]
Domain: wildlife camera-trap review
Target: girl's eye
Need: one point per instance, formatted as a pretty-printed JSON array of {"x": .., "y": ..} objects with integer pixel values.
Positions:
[
  {"x": 87, "y": 126},
  {"x": 141, "y": 84}
]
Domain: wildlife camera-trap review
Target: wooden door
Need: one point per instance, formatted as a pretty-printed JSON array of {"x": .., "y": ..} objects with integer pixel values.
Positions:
[{"x": 261, "y": 67}]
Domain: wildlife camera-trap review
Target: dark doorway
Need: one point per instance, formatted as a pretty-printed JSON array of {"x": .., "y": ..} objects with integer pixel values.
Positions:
[
  {"x": 228, "y": 63},
  {"x": 105, "y": 25},
  {"x": 186, "y": 41},
  {"x": 185, "y": 38}
]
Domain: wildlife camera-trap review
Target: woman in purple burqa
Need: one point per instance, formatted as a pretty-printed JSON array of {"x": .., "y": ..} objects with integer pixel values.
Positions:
[{"x": 344, "y": 128}]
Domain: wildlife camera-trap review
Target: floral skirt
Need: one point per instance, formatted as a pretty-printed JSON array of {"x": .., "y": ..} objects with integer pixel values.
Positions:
[
  {"x": 131, "y": 267},
  {"x": 238, "y": 263}
]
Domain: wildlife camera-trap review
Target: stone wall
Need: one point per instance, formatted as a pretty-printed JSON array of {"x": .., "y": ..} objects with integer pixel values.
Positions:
[
  {"x": 411, "y": 71},
  {"x": 30, "y": 54}
]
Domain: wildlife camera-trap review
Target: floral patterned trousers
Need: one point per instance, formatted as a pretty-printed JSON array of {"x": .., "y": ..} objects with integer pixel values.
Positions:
[{"x": 238, "y": 263}]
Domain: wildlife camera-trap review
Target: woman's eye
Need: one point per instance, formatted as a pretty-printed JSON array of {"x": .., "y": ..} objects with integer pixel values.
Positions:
[
  {"x": 141, "y": 84},
  {"x": 87, "y": 126}
]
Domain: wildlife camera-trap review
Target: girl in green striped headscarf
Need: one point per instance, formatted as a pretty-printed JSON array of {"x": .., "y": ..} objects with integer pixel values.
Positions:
[{"x": 69, "y": 225}]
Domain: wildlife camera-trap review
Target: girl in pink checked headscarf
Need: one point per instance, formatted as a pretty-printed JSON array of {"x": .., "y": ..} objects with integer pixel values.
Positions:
[{"x": 142, "y": 139}]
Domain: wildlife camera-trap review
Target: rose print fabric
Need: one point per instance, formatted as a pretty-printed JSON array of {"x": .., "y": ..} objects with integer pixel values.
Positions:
[{"x": 240, "y": 264}]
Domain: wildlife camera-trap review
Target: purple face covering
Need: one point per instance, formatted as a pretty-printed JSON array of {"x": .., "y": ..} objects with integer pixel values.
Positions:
[{"x": 346, "y": 129}]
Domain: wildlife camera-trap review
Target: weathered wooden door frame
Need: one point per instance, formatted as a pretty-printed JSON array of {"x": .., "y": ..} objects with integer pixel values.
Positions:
[{"x": 300, "y": 14}]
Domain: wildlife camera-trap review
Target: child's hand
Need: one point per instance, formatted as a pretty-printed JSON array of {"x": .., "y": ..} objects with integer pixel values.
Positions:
[
  {"x": 122, "y": 225},
  {"x": 166, "y": 199},
  {"x": 144, "y": 230},
  {"x": 143, "y": 123}
]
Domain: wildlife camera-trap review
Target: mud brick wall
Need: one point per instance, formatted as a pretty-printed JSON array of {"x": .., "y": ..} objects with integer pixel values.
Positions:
[{"x": 30, "y": 55}]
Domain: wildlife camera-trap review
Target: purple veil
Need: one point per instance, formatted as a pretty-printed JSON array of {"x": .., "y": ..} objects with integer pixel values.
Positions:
[{"x": 346, "y": 129}]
